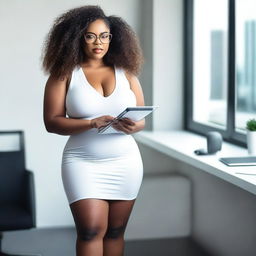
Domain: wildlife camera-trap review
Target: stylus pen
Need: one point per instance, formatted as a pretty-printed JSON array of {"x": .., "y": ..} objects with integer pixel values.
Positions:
[{"x": 253, "y": 174}]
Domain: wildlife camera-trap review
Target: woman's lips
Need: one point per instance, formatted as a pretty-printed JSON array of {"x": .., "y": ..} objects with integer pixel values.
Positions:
[{"x": 97, "y": 50}]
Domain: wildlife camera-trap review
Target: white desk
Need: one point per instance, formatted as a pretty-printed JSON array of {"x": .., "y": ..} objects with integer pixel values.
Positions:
[{"x": 181, "y": 145}]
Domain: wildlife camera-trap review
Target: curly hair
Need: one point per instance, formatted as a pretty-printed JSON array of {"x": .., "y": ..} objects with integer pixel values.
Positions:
[{"x": 64, "y": 45}]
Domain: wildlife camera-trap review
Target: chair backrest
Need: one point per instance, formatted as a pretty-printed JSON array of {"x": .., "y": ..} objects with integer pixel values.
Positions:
[{"x": 12, "y": 166}]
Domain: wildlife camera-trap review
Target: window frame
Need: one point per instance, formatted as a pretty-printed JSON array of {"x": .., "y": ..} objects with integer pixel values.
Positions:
[{"x": 229, "y": 134}]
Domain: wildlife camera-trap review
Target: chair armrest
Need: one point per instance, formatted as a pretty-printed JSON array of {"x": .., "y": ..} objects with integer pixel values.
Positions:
[{"x": 30, "y": 201}]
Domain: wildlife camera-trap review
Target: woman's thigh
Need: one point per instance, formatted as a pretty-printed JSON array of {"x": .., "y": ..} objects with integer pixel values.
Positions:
[
  {"x": 119, "y": 213},
  {"x": 91, "y": 218}
]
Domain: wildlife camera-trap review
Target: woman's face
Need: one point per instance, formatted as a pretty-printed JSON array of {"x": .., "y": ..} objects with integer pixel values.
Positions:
[{"x": 97, "y": 38}]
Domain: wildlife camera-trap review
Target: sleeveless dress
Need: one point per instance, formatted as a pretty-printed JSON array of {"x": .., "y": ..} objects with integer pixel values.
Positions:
[{"x": 102, "y": 166}]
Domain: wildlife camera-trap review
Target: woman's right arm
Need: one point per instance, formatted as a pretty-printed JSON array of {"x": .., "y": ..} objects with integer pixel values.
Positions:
[{"x": 55, "y": 119}]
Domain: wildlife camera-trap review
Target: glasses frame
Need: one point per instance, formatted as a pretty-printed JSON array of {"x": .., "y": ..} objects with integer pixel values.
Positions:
[{"x": 96, "y": 37}]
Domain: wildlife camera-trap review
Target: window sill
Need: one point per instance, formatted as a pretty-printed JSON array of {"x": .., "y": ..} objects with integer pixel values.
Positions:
[{"x": 181, "y": 145}]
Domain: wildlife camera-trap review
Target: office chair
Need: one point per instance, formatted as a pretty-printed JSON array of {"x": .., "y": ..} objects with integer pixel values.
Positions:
[{"x": 17, "y": 195}]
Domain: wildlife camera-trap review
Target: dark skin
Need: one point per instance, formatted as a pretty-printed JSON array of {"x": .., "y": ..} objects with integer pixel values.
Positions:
[{"x": 105, "y": 219}]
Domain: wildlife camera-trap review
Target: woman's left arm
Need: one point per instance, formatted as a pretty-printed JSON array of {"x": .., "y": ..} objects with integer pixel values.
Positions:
[{"x": 127, "y": 125}]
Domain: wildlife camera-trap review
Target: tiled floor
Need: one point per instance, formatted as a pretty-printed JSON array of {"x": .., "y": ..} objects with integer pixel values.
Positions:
[{"x": 61, "y": 242}]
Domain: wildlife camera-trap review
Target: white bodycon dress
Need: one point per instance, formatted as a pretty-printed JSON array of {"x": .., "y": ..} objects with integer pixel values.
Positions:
[{"x": 103, "y": 166}]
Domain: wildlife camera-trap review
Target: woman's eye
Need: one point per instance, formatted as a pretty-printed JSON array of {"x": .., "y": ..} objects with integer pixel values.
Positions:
[
  {"x": 104, "y": 36},
  {"x": 89, "y": 36}
]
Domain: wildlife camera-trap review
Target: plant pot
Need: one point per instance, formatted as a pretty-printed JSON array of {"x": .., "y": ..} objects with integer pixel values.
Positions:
[{"x": 251, "y": 142}]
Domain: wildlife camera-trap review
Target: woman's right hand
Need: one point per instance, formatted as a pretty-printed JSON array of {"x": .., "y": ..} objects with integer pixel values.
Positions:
[{"x": 101, "y": 121}]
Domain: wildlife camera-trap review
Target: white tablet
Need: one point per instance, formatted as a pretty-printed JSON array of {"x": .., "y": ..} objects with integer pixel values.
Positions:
[{"x": 133, "y": 113}]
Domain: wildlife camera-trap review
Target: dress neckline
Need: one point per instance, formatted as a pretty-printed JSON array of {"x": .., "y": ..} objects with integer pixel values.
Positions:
[{"x": 97, "y": 92}]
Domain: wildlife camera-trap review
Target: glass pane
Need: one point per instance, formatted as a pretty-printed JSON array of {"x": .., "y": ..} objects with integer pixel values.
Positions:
[
  {"x": 245, "y": 62},
  {"x": 210, "y": 62}
]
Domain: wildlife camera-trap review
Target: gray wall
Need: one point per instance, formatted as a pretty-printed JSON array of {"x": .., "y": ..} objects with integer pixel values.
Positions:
[
  {"x": 162, "y": 78},
  {"x": 146, "y": 38}
]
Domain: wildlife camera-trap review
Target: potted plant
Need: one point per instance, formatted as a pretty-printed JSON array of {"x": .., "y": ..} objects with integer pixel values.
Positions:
[{"x": 251, "y": 136}]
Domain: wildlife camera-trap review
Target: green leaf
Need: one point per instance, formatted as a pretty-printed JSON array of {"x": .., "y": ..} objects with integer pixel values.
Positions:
[{"x": 251, "y": 125}]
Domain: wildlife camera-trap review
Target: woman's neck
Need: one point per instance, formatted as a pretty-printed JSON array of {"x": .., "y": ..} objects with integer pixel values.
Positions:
[{"x": 94, "y": 63}]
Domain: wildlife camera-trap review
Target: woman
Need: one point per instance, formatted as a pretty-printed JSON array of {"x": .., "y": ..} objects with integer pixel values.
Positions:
[{"x": 93, "y": 61}]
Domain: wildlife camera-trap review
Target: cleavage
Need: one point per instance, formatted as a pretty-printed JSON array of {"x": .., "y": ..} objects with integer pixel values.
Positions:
[{"x": 104, "y": 84}]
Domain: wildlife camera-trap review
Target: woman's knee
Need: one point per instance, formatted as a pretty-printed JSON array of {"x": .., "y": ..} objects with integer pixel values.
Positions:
[
  {"x": 90, "y": 233},
  {"x": 91, "y": 218},
  {"x": 115, "y": 232}
]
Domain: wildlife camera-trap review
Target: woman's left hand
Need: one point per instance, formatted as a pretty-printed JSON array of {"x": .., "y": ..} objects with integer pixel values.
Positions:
[{"x": 128, "y": 126}]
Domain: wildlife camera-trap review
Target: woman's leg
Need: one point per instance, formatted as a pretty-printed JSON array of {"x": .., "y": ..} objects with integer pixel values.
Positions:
[
  {"x": 91, "y": 218},
  {"x": 119, "y": 213}
]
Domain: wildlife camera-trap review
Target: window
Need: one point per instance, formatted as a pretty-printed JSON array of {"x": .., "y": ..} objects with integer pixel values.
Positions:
[
  {"x": 220, "y": 66},
  {"x": 245, "y": 61}
]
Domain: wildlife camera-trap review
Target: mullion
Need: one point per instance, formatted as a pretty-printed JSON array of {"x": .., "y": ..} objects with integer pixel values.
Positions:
[
  {"x": 236, "y": 137},
  {"x": 188, "y": 61},
  {"x": 231, "y": 71}
]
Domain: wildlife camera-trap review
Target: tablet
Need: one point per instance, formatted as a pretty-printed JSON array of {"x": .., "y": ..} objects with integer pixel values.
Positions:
[
  {"x": 133, "y": 113},
  {"x": 239, "y": 161}
]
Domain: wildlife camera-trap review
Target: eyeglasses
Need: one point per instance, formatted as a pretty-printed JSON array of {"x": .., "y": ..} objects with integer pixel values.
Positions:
[{"x": 91, "y": 38}]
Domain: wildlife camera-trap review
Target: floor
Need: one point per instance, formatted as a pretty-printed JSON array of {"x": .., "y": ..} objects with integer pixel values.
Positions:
[{"x": 61, "y": 241}]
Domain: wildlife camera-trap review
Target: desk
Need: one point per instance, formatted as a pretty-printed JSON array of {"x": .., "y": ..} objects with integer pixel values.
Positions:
[{"x": 181, "y": 145}]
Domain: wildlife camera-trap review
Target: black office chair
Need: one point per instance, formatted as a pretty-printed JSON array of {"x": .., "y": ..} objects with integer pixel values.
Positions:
[{"x": 17, "y": 195}]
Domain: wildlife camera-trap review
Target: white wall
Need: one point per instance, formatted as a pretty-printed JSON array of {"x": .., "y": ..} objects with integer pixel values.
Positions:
[
  {"x": 167, "y": 64},
  {"x": 23, "y": 26},
  {"x": 161, "y": 31}
]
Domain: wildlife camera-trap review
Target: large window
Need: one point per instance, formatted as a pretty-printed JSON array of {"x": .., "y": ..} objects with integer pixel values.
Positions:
[
  {"x": 245, "y": 61},
  {"x": 220, "y": 66}
]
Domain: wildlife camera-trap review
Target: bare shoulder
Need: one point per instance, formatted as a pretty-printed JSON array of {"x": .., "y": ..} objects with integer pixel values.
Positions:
[
  {"x": 60, "y": 84},
  {"x": 54, "y": 81},
  {"x": 133, "y": 80},
  {"x": 131, "y": 77},
  {"x": 135, "y": 87}
]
